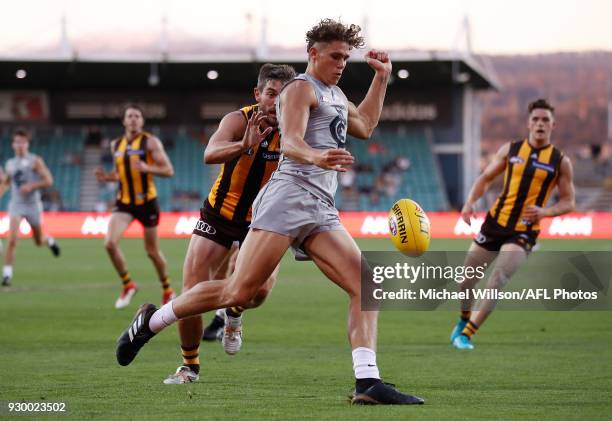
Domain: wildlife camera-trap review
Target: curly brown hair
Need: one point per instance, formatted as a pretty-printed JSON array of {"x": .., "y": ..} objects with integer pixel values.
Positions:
[{"x": 328, "y": 30}]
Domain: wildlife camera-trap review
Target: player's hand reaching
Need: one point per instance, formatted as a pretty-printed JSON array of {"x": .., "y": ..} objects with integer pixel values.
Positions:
[
  {"x": 26, "y": 188},
  {"x": 533, "y": 214},
  {"x": 467, "y": 213},
  {"x": 254, "y": 135},
  {"x": 379, "y": 61},
  {"x": 333, "y": 159}
]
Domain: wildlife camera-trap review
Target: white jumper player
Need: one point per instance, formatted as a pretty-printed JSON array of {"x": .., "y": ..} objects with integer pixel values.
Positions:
[{"x": 26, "y": 174}]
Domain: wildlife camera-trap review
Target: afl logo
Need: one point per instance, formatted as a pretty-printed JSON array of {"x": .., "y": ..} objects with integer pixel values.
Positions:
[
  {"x": 338, "y": 130},
  {"x": 392, "y": 226}
]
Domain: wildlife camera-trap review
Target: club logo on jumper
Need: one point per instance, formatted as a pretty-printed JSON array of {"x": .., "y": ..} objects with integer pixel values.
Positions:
[
  {"x": 543, "y": 166},
  {"x": 205, "y": 228},
  {"x": 338, "y": 128},
  {"x": 516, "y": 160}
]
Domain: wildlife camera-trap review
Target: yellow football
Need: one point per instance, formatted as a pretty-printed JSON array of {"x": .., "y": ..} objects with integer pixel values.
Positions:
[{"x": 409, "y": 228}]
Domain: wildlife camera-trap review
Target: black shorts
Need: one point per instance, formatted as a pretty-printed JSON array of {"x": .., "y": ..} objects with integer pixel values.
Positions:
[
  {"x": 222, "y": 231},
  {"x": 493, "y": 236},
  {"x": 147, "y": 214}
]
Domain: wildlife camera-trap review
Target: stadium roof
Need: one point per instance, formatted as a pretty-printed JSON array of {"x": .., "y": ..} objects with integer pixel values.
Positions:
[{"x": 235, "y": 71}]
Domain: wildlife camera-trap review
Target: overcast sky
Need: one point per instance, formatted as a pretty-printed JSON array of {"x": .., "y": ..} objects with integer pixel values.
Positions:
[{"x": 506, "y": 27}]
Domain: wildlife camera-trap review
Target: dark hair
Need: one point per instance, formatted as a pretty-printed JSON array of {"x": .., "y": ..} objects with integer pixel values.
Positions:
[
  {"x": 540, "y": 103},
  {"x": 328, "y": 30},
  {"x": 131, "y": 106},
  {"x": 282, "y": 72},
  {"x": 21, "y": 131}
]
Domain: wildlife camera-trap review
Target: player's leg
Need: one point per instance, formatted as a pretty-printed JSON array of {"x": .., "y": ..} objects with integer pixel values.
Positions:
[
  {"x": 151, "y": 244},
  {"x": 476, "y": 256},
  {"x": 201, "y": 262},
  {"x": 263, "y": 292},
  {"x": 511, "y": 258},
  {"x": 232, "y": 334},
  {"x": 254, "y": 266},
  {"x": 9, "y": 255},
  {"x": 339, "y": 258},
  {"x": 118, "y": 223},
  {"x": 34, "y": 218},
  {"x": 214, "y": 330}
]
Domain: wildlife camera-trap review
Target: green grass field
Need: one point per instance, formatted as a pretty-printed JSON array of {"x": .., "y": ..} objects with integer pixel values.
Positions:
[{"x": 58, "y": 330}]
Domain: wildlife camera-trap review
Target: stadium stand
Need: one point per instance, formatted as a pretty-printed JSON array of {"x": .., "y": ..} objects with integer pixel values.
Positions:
[{"x": 388, "y": 167}]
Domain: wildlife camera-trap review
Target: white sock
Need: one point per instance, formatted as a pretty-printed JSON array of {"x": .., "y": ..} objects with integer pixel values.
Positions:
[
  {"x": 7, "y": 271},
  {"x": 234, "y": 321},
  {"x": 220, "y": 312},
  {"x": 50, "y": 241},
  {"x": 364, "y": 364},
  {"x": 162, "y": 318}
]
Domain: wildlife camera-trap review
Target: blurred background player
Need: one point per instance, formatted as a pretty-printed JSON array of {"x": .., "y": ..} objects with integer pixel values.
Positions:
[
  {"x": 533, "y": 167},
  {"x": 138, "y": 156},
  {"x": 247, "y": 143},
  {"x": 296, "y": 208},
  {"x": 26, "y": 174}
]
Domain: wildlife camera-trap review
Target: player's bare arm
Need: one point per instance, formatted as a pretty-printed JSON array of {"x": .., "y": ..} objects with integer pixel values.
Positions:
[
  {"x": 300, "y": 98},
  {"x": 482, "y": 183},
  {"x": 235, "y": 136},
  {"x": 46, "y": 179},
  {"x": 567, "y": 196},
  {"x": 363, "y": 119},
  {"x": 5, "y": 182},
  {"x": 161, "y": 166},
  {"x": 103, "y": 176}
]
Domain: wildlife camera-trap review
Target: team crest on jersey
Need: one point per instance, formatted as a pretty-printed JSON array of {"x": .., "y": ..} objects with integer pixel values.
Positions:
[
  {"x": 338, "y": 127},
  {"x": 516, "y": 160},
  {"x": 338, "y": 130}
]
